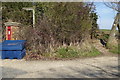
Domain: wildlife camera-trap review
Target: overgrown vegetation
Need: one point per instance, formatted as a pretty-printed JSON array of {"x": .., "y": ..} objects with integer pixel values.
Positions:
[
  {"x": 74, "y": 52},
  {"x": 68, "y": 52},
  {"x": 104, "y": 36},
  {"x": 57, "y": 25},
  {"x": 115, "y": 49}
]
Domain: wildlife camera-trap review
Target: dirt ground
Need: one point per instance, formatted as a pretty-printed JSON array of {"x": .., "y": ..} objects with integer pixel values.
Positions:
[{"x": 98, "y": 67}]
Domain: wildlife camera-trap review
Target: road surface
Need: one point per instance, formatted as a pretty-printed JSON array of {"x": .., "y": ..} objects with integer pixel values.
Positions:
[{"x": 98, "y": 67}]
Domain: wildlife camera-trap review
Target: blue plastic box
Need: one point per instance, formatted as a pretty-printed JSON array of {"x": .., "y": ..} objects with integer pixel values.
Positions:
[
  {"x": 13, "y": 45},
  {"x": 13, "y": 54},
  {"x": 12, "y": 49}
]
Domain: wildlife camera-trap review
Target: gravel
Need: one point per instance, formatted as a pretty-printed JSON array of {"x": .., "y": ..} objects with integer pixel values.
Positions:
[{"x": 98, "y": 67}]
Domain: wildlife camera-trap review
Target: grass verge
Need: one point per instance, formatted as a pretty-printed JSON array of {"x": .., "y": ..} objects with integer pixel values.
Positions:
[
  {"x": 115, "y": 49},
  {"x": 72, "y": 52},
  {"x": 69, "y": 52}
]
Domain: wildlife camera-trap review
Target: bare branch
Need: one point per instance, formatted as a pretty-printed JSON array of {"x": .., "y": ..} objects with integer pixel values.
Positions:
[{"x": 113, "y": 5}]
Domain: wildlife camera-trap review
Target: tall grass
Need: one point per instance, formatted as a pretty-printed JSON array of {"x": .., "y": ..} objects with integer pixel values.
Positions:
[
  {"x": 72, "y": 52},
  {"x": 115, "y": 49}
]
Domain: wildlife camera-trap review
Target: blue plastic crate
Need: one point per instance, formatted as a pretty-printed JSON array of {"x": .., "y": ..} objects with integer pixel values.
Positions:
[
  {"x": 12, "y": 49},
  {"x": 12, "y": 54},
  {"x": 13, "y": 45},
  {"x": 14, "y": 41}
]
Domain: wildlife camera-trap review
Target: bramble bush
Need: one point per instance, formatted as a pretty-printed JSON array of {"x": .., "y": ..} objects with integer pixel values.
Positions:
[{"x": 61, "y": 24}]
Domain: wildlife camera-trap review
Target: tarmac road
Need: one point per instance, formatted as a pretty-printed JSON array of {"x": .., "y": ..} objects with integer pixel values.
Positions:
[{"x": 98, "y": 67}]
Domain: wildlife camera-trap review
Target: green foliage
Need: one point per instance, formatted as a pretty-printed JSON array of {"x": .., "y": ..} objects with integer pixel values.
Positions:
[
  {"x": 104, "y": 37},
  {"x": 70, "y": 21},
  {"x": 104, "y": 30},
  {"x": 72, "y": 52},
  {"x": 56, "y": 24},
  {"x": 14, "y": 11},
  {"x": 115, "y": 49},
  {"x": 66, "y": 53},
  {"x": 95, "y": 28},
  {"x": 93, "y": 52}
]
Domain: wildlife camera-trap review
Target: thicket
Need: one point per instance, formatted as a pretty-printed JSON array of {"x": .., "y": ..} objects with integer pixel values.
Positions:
[{"x": 57, "y": 25}]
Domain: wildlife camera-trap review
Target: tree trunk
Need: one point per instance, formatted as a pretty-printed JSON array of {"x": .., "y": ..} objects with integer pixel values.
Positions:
[
  {"x": 112, "y": 40},
  {"x": 119, "y": 33},
  {"x": 86, "y": 43},
  {"x": 118, "y": 23}
]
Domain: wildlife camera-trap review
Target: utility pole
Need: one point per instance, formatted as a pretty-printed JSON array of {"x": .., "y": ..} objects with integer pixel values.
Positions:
[
  {"x": 33, "y": 11},
  {"x": 33, "y": 14}
]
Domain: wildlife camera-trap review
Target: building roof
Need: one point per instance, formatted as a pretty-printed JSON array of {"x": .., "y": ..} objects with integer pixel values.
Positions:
[{"x": 12, "y": 24}]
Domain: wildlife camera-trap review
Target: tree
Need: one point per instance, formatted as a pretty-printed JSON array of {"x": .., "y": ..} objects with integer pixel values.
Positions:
[
  {"x": 71, "y": 22},
  {"x": 95, "y": 28},
  {"x": 14, "y": 11},
  {"x": 112, "y": 41},
  {"x": 114, "y": 5},
  {"x": 56, "y": 23}
]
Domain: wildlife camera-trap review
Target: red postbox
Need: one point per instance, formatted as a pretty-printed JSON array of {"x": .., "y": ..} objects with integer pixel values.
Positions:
[
  {"x": 8, "y": 33},
  {"x": 12, "y": 29}
]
